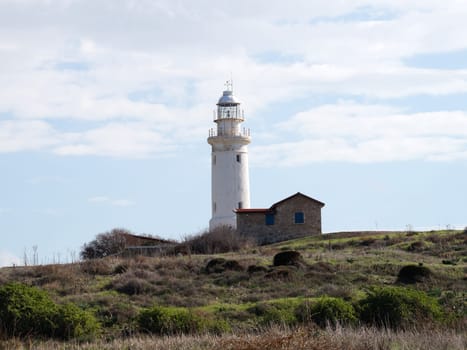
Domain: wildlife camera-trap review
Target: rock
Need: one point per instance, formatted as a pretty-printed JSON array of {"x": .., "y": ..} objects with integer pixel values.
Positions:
[
  {"x": 413, "y": 274},
  {"x": 289, "y": 257},
  {"x": 219, "y": 265}
]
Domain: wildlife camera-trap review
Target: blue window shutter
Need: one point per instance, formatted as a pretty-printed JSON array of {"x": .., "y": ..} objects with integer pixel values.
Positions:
[
  {"x": 269, "y": 219},
  {"x": 299, "y": 218}
]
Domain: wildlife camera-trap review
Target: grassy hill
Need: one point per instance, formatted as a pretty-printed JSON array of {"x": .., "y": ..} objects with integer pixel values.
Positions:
[{"x": 247, "y": 293}]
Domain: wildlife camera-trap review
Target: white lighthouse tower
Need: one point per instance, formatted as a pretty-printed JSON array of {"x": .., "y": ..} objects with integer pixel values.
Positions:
[{"x": 230, "y": 178}]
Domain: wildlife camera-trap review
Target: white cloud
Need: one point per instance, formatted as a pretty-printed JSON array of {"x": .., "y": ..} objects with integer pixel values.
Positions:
[
  {"x": 148, "y": 86},
  {"x": 25, "y": 135},
  {"x": 351, "y": 119},
  {"x": 122, "y": 140},
  {"x": 8, "y": 259},
  {"x": 366, "y": 133}
]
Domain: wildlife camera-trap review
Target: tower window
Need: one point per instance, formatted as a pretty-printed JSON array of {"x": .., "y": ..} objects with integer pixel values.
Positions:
[
  {"x": 214, "y": 207},
  {"x": 240, "y": 205},
  {"x": 213, "y": 160},
  {"x": 299, "y": 217},
  {"x": 269, "y": 217},
  {"x": 239, "y": 158}
]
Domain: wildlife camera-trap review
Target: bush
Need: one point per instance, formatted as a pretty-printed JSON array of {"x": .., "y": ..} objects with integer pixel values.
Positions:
[
  {"x": 73, "y": 322},
  {"x": 96, "y": 267},
  {"x": 413, "y": 274},
  {"x": 131, "y": 285},
  {"x": 398, "y": 307},
  {"x": 169, "y": 320},
  {"x": 327, "y": 310},
  {"x": 220, "y": 240},
  {"x": 416, "y": 246},
  {"x": 105, "y": 244},
  {"x": 28, "y": 311},
  {"x": 274, "y": 313}
]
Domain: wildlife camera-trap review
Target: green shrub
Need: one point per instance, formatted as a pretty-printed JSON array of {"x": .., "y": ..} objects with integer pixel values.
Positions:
[
  {"x": 73, "y": 322},
  {"x": 327, "y": 310},
  {"x": 169, "y": 320},
  {"x": 28, "y": 311},
  {"x": 274, "y": 313},
  {"x": 398, "y": 307}
]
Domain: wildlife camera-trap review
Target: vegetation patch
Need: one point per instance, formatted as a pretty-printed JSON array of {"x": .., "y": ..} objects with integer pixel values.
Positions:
[
  {"x": 131, "y": 285},
  {"x": 117, "y": 289},
  {"x": 28, "y": 311},
  {"x": 398, "y": 307},
  {"x": 178, "y": 320},
  {"x": 257, "y": 269},
  {"x": 219, "y": 265},
  {"x": 220, "y": 240},
  {"x": 268, "y": 313},
  {"x": 327, "y": 311},
  {"x": 282, "y": 272}
]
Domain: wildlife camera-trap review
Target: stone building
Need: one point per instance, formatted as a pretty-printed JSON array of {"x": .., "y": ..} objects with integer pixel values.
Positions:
[
  {"x": 135, "y": 245},
  {"x": 293, "y": 217}
]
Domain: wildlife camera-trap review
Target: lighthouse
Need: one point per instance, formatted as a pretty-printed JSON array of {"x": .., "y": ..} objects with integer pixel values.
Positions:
[{"x": 230, "y": 184}]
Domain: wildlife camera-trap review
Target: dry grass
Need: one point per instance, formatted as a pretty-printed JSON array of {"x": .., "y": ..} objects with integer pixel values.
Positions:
[{"x": 274, "y": 339}]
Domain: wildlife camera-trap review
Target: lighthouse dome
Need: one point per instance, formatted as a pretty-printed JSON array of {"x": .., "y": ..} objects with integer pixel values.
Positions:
[{"x": 228, "y": 98}]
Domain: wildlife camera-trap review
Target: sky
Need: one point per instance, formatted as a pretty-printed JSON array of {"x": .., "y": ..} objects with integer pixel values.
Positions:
[{"x": 105, "y": 108}]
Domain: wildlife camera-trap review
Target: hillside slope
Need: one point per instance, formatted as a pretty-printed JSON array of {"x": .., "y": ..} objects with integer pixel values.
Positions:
[{"x": 341, "y": 265}]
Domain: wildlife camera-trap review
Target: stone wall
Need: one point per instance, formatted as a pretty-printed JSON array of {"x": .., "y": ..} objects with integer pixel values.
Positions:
[{"x": 253, "y": 224}]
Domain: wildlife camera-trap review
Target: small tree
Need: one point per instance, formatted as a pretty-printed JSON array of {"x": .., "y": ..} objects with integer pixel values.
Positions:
[{"x": 105, "y": 244}]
